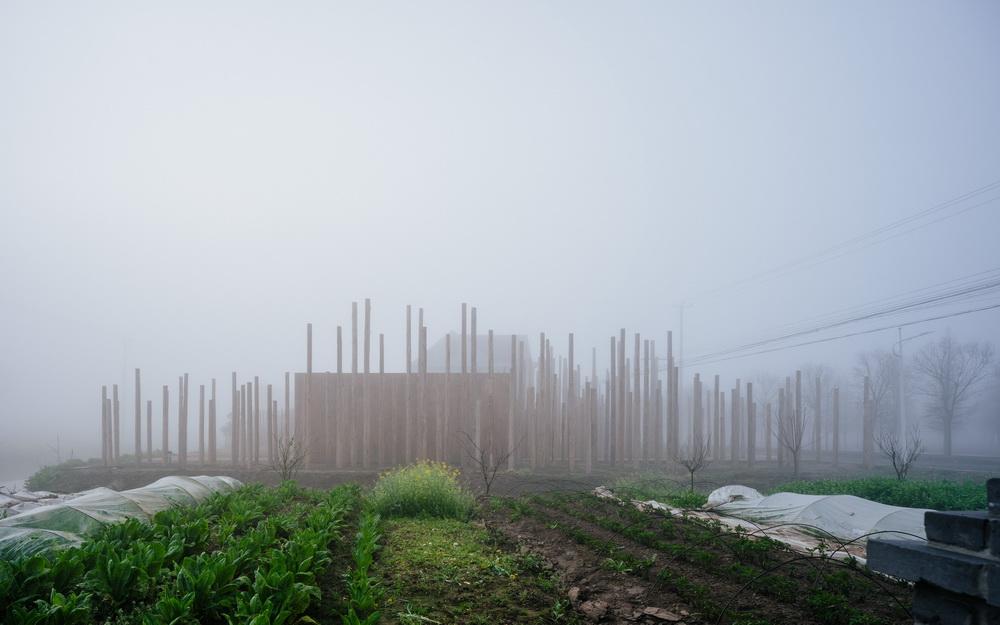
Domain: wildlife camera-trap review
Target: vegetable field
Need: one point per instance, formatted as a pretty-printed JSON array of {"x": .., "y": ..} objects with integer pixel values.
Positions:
[
  {"x": 254, "y": 556},
  {"x": 622, "y": 562},
  {"x": 419, "y": 547}
]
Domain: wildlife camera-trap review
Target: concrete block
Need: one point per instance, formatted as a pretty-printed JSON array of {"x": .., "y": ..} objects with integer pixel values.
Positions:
[
  {"x": 933, "y": 605},
  {"x": 992, "y": 590},
  {"x": 915, "y": 561},
  {"x": 969, "y": 530},
  {"x": 993, "y": 495},
  {"x": 995, "y": 537}
]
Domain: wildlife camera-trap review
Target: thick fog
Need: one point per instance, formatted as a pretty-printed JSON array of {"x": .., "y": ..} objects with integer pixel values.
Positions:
[{"x": 183, "y": 186}]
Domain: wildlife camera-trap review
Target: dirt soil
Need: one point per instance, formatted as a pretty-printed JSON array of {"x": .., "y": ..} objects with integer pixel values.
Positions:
[{"x": 692, "y": 593}]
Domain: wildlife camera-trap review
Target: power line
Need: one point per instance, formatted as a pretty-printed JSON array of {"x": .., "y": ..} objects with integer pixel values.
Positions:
[
  {"x": 869, "y": 238},
  {"x": 857, "y": 309},
  {"x": 943, "y": 296},
  {"x": 852, "y": 334}
]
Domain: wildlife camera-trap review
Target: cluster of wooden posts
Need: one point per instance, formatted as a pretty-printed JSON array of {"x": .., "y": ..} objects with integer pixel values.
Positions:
[{"x": 522, "y": 411}]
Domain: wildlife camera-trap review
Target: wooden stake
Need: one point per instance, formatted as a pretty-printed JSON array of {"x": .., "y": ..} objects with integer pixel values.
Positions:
[
  {"x": 138, "y": 418},
  {"x": 836, "y": 426},
  {"x": 117, "y": 430},
  {"x": 201, "y": 424},
  {"x": 270, "y": 424},
  {"x": 751, "y": 427},
  {"x": 165, "y": 439},
  {"x": 818, "y": 423},
  {"x": 212, "y": 403},
  {"x": 234, "y": 444}
]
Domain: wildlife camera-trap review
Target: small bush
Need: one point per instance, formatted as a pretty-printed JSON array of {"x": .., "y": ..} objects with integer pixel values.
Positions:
[
  {"x": 933, "y": 494},
  {"x": 423, "y": 489}
]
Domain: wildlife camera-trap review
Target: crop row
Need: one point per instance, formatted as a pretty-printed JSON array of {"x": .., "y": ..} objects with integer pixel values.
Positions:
[
  {"x": 251, "y": 557},
  {"x": 826, "y": 592}
]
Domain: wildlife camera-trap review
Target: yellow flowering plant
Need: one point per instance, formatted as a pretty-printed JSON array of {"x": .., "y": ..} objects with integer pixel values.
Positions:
[{"x": 425, "y": 488}]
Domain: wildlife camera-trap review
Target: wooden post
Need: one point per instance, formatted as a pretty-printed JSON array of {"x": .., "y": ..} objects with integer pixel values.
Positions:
[
  {"x": 636, "y": 403},
  {"x": 716, "y": 420},
  {"x": 117, "y": 431},
  {"x": 288, "y": 401},
  {"x": 751, "y": 427},
  {"x": 368, "y": 331},
  {"x": 303, "y": 428},
  {"x": 673, "y": 401},
  {"x": 380, "y": 421},
  {"x": 613, "y": 406},
  {"x": 474, "y": 339},
  {"x": 422, "y": 398},
  {"x": 234, "y": 425},
  {"x": 511, "y": 427},
  {"x": 256, "y": 419},
  {"x": 366, "y": 426},
  {"x": 734, "y": 433},
  {"x": 212, "y": 407},
  {"x": 622, "y": 389},
  {"x": 697, "y": 437},
  {"x": 201, "y": 424},
  {"x": 721, "y": 445},
  {"x": 571, "y": 407},
  {"x": 464, "y": 347},
  {"x": 408, "y": 399},
  {"x": 181, "y": 423},
  {"x": 138, "y": 418},
  {"x": 646, "y": 433},
  {"x": 184, "y": 410},
  {"x": 818, "y": 423},
  {"x": 165, "y": 439},
  {"x": 447, "y": 399},
  {"x": 836, "y": 426},
  {"x": 241, "y": 417},
  {"x": 767, "y": 430},
  {"x": 270, "y": 425}
]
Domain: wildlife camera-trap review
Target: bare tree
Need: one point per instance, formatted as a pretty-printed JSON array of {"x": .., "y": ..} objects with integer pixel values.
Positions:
[
  {"x": 881, "y": 369},
  {"x": 765, "y": 388},
  {"x": 487, "y": 462},
  {"x": 289, "y": 456},
  {"x": 791, "y": 425},
  {"x": 951, "y": 373},
  {"x": 695, "y": 457},
  {"x": 902, "y": 454}
]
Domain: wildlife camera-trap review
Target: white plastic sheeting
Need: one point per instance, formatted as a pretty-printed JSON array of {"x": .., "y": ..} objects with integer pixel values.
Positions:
[
  {"x": 845, "y": 517},
  {"x": 70, "y": 520}
]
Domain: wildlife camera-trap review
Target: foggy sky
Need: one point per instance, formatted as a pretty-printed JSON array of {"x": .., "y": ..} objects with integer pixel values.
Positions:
[{"x": 184, "y": 185}]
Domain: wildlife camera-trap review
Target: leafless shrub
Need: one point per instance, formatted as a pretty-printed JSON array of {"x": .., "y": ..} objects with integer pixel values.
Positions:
[
  {"x": 289, "y": 456},
  {"x": 695, "y": 457},
  {"x": 902, "y": 454},
  {"x": 486, "y": 461}
]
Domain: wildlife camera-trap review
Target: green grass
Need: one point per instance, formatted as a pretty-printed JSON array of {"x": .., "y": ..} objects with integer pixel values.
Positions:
[
  {"x": 933, "y": 494},
  {"x": 645, "y": 487},
  {"x": 437, "y": 570},
  {"x": 422, "y": 489}
]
